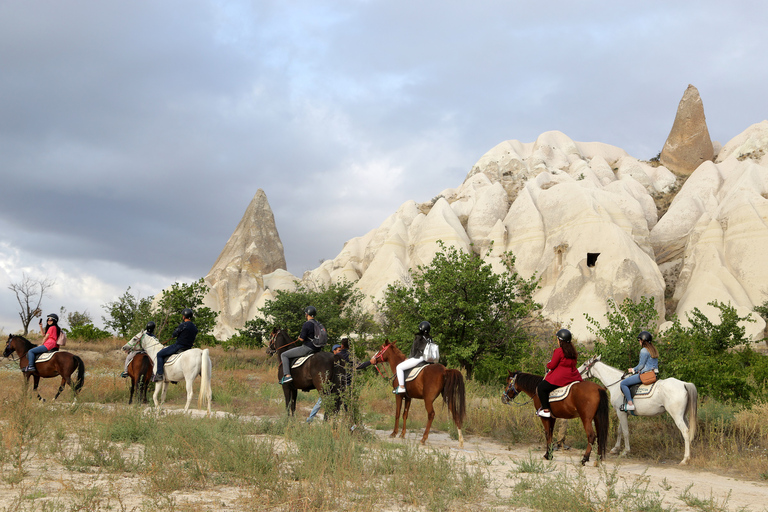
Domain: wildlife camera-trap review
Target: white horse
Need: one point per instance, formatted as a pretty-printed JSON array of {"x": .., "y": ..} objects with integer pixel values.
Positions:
[
  {"x": 678, "y": 398},
  {"x": 188, "y": 366}
]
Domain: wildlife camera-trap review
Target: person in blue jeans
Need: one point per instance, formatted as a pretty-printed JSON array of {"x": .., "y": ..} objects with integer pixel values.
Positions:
[
  {"x": 337, "y": 349},
  {"x": 50, "y": 332},
  {"x": 649, "y": 361},
  {"x": 306, "y": 348},
  {"x": 185, "y": 335}
]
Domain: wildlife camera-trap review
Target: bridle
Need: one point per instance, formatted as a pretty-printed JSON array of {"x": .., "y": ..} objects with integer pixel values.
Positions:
[
  {"x": 378, "y": 357},
  {"x": 587, "y": 372},
  {"x": 273, "y": 338},
  {"x": 505, "y": 398}
]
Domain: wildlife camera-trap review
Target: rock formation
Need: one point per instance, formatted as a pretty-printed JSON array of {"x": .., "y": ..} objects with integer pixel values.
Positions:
[
  {"x": 580, "y": 216},
  {"x": 237, "y": 282},
  {"x": 688, "y": 145}
]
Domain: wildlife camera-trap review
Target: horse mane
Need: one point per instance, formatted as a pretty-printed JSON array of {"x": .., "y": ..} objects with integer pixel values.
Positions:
[
  {"x": 27, "y": 344},
  {"x": 528, "y": 381}
]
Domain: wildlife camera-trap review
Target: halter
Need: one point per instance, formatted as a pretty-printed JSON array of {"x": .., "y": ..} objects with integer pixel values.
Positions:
[{"x": 380, "y": 355}]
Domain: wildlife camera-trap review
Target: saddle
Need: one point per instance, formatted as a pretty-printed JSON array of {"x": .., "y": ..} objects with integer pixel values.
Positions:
[
  {"x": 415, "y": 371},
  {"x": 301, "y": 360},
  {"x": 172, "y": 359},
  {"x": 47, "y": 356},
  {"x": 561, "y": 393},
  {"x": 639, "y": 392}
]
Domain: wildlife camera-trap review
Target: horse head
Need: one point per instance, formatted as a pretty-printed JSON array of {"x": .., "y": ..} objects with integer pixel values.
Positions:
[
  {"x": 586, "y": 368},
  {"x": 8, "y": 347},
  {"x": 506, "y": 398},
  {"x": 379, "y": 357}
]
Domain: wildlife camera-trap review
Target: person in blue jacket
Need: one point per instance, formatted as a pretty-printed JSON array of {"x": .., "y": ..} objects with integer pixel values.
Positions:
[{"x": 649, "y": 361}]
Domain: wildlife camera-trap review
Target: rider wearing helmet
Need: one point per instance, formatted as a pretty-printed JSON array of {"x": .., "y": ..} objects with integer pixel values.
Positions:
[
  {"x": 50, "y": 337},
  {"x": 649, "y": 362},
  {"x": 185, "y": 335},
  {"x": 134, "y": 346},
  {"x": 561, "y": 371},
  {"x": 306, "y": 348},
  {"x": 415, "y": 357}
]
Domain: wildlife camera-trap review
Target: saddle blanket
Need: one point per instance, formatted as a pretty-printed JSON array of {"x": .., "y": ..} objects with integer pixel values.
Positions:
[
  {"x": 172, "y": 359},
  {"x": 300, "y": 361},
  {"x": 561, "y": 393},
  {"x": 415, "y": 371},
  {"x": 45, "y": 357},
  {"x": 642, "y": 390}
]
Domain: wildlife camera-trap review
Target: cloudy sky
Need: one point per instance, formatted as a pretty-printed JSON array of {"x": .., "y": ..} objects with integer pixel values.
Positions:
[{"x": 133, "y": 135}]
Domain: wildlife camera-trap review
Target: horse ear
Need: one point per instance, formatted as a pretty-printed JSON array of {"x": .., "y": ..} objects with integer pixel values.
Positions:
[{"x": 509, "y": 372}]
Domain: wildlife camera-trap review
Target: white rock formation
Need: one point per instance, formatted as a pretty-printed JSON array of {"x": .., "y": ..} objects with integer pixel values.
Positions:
[{"x": 581, "y": 216}]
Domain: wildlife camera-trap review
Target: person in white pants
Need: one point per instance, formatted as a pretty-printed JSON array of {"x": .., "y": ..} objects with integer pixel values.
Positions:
[{"x": 415, "y": 357}]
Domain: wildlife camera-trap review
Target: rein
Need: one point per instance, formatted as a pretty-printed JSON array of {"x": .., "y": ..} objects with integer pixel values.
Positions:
[
  {"x": 380, "y": 354},
  {"x": 588, "y": 373}
]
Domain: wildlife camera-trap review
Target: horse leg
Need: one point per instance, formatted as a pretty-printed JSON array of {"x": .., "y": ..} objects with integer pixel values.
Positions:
[
  {"x": 680, "y": 422},
  {"x": 61, "y": 386},
  {"x": 549, "y": 428},
  {"x": 398, "y": 404},
  {"x": 36, "y": 380},
  {"x": 430, "y": 416},
  {"x": 294, "y": 398},
  {"x": 622, "y": 431},
  {"x": 591, "y": 436},
  {"x": 189, "y": 382},
  {"x": 406, "y": 408}
]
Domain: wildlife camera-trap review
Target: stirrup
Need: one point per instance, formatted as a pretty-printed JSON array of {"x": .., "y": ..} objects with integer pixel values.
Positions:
[
  {"x": 399, "y": 390},
  {"x": 286, "y": 379},
  {"x": 29, "y": 368},
  {"x": 543, "y": 414}
]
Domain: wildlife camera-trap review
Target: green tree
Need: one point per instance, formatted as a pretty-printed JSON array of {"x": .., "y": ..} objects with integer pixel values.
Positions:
[
  {"x": 477, "y": 316},
  {"x": 339, "y": 308},
  {"x": 617, "y": 338},
  {"x": 174, "y": 300},
  {"x": 128, "y": 314}
]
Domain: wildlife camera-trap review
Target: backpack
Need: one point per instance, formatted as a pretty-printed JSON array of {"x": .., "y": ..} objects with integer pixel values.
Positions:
[
  {"x": 62, "y": 340},
  {"x": 321, "y": 335},
  {"x": 431, "y": 352}
]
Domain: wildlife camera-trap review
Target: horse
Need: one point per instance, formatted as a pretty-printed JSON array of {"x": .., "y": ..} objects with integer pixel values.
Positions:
[
  {"x": 140, "y": 372},
  {"x": 320, "y": 372},
  {"x": 586, "y": 400},
  {"x": 187, "y": 366},
  {"x": 676, "y": 397},
  {"x": 62, "y": 364},
  {"x": 433, "y": 380}
]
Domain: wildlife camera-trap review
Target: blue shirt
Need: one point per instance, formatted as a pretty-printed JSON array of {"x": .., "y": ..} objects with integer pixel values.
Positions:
[{"x": 647, "y": 363}]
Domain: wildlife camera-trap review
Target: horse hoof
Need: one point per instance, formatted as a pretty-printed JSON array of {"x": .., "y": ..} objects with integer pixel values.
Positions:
[
  {"x": 393, "y": 434},
  {"x": 614, "y": 451}
]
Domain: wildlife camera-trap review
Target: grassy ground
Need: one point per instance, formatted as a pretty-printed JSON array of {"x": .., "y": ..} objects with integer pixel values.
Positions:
[{"x": 288, "y": 465}]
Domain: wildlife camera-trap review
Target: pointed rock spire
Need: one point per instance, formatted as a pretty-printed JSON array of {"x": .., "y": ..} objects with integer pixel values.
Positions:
[
  {"x": 688, "y": 144},
  {"x": 255, "y": 245}
]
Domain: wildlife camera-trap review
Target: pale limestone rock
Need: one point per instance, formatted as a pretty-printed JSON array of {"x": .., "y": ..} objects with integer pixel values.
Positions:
[
  {"x": 688, "y": 144},
  {"x": 751, "y": 144}
]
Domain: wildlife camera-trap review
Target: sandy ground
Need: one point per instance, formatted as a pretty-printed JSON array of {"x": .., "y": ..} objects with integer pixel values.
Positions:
[{"x": 48, "y": 479}]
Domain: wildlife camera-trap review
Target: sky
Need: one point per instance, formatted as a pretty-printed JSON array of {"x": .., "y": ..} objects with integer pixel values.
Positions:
[{"x": 133, "y": 135}]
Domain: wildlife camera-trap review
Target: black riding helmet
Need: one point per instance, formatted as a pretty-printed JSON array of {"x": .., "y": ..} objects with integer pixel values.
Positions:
[
  {"x": 424, "y": 328},
  {"x": 187, "y": 313},
  {"x": 54, "y": 317},
  {"x": 645, "y": 336},
  {"x": 310, "y": 310},
  {"x": 150, "y": 328},
  {"x": 564, "y": 335}
]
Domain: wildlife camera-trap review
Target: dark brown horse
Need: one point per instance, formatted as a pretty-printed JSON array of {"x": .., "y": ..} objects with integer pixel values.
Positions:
[
  {"x": 140, "y": 372},
  {"x": 62, "y": 364},
  {"x": 586, "y": 400},
  {"x": 428, "y": 385},
  {"x": 320, "y": 372}
]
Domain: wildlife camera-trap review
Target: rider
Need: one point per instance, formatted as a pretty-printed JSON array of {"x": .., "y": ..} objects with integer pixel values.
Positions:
[
  {"x": 415, "y": 357},
  {"x": 306, "y": 348},
  {"x": 130, "y": 347},
  {"x": 561, "y": 371},
  {"x": 50, "y": 337},
  {"x": 185, "y": 335},
  {"x": 649, "y": 361}
]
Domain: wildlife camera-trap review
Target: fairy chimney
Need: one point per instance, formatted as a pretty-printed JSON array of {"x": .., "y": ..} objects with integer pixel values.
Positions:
[{"x": 688, "y": 144}]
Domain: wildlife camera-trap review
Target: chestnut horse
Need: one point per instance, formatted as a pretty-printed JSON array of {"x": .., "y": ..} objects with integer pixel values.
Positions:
[
  {"x": 586, "y": 400},
  {"x": 62, "y": 364},
  {"x": 140, "y": 371},
  {"x": 319, "y": 369},
  {"x": 428, "y": 385}
]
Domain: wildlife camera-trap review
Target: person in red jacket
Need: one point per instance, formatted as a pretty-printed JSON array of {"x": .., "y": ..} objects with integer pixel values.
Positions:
[{"x": 561, "y": 371}]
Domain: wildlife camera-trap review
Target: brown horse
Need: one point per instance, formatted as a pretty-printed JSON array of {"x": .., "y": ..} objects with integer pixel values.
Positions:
[
  {"x": 586, "y": 400},
  {"x": 320, "y": 369},
  {"x": 428, "y": 385},
  {"x": 140, "y": 372},
  {"x": 62, "y": 364}
]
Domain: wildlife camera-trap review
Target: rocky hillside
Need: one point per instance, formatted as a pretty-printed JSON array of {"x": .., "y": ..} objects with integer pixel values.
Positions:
[{"x": 581, "y": 216}]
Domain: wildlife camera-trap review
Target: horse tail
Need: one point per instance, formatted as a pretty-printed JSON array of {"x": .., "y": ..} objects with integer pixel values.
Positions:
[
  {"x": 80, "y": 373},
  {"x": 205, "y": 380},
  {"x": 692, "y": 411},
  {"x": 601, "y": 422},
  {"x": 453, "y": 396}
]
